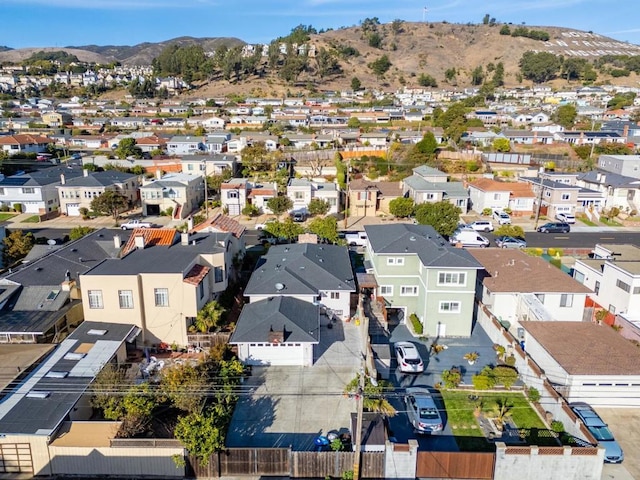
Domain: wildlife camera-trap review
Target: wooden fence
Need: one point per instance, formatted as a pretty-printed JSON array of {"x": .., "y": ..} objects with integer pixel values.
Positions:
[
  {"x": 208, "y": 340},
  {"x": 284, "y": 462},
  {"x": 458, "y": 465}
]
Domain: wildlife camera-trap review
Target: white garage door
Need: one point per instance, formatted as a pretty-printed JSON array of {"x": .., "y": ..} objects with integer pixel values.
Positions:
[
  {"x": 31, "y": 207},
  {"x": 234, "y": 209},
  {"x": 276, "y": 354},
  {"x": 73, "y": 209}
]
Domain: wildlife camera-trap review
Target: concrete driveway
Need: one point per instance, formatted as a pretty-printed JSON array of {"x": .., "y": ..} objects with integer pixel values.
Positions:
[
  {"x": 290, "y": 406},
  {"x": 434, "y": 366},
  {"x": 625, "y": 425}
]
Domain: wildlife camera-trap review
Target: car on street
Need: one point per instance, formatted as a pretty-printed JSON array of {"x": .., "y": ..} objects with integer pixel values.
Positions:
[
  {"x": 612, "y": 451},
  {"x": 481, "y": 226},
  {"x": 554, "y": 227},
  {"x": 501, "y": 217},
  {"x": 506, "y": 241},
  {"x": 422, "y": 411},
  {"x": 133, "y": 224},
  {"x": 409, "y": 360},
  {"x": 566, "y": 217}
]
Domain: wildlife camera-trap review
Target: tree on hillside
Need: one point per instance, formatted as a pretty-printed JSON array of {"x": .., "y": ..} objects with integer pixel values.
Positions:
[
  {"x": 477, "y": 75},
  {"x": 425, "y": 80},
  {"x": 539, "y": 67},
  {"x": 356, "y": 84},
  {"x": 426, "y": 147},
  {"x": 326, "y": 63},
  {"x": 380, "y": 66},
  {"x": 110, "y": 203},
  {"x": 565, "y": 115},
  {"x": 442, "y": 216},
  {"x": 255, "y": 158}
]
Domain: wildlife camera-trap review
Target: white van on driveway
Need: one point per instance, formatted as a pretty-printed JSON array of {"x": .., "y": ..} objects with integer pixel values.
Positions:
[{"x": 469, "y": 238}]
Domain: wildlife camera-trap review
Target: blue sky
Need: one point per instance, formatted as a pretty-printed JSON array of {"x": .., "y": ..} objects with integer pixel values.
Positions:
[{"x": 51, "y": 23}]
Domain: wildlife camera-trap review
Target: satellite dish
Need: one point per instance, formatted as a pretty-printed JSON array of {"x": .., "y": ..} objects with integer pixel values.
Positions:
[
  {"x": 279, "y": 286},
  {"x": 51, "y": 242}
]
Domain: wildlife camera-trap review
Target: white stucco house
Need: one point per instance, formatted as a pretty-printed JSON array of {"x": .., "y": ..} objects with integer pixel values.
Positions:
[
  {"x": 586, "y": 362},
  {"x": 301, "y": 191},
  {"x": 518, "y": 288}
]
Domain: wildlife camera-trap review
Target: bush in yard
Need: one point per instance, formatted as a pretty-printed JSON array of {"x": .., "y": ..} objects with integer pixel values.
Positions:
[
  {"x": 506, "y": 376},
  {"x": 557, "y": 426},
  {"x": 250, "y": 210},
  {"x": 482, "y": 382},
  {"x": 487, "y": 211},
  {"x": 451, "y": 378},
  {"x": 17, "y": 207},
  {"x": 401, "y": 207},
  {"x": 279, "y": 205},
  {"x": 533, "y": 394},
  {"x": 416, "y": 324},
  {"x": 510, "y": 361}
]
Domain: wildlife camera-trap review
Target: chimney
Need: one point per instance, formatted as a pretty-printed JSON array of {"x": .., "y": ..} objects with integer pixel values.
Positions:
[
  {"x": 62, "y": 179},
  {"x": 190, "y": 223},
  {"x": 85, "y": 172},
  {"x": 625, "y": 131},
  {"x": 139, "y": 241},
  {"x": 159, "y": 174},
  {"x": 117, "y": 242},
  {"x": 184, "y": 238}
]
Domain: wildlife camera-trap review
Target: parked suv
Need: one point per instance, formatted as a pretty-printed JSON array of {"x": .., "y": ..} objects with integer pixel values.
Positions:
[
  {"x": 600, "y": 431},
  {"x": 501, "y": 217},
  {"x": 566, "y": 217},
  {"x": 481, "y": 226},
  {"x": 554, "y": 227}
]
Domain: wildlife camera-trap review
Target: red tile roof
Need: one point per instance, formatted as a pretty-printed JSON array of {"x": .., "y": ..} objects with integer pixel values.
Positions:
[
  {"x": 162, "y": 237},
  {"x": 196, "y": 274},
  {"x": 262, "y": 192},
  {"x": 222, "y": 223},
  {"x": 23, "y": 139}
]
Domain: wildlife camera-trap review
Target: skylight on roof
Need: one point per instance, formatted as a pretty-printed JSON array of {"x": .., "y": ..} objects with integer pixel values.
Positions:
[
  {"x": 54, "y": 374},
  {"x": 37, "y": 394},
  {"x": 74, "y": 356},
  {"x": 95, "y": 331}
]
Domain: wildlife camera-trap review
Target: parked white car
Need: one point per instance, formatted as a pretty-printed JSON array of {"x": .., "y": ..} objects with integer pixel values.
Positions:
[
  {"x": 133, "y": 224},
  {"x": 481, "y": 226},
  {"x": 501, "y": 217},
  {"x": 566, "y": 217}
]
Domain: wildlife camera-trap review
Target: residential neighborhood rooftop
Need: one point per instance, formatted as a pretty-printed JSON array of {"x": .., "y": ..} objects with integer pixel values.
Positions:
[
  {"x": 511, "y": 270},
  {"x": 422, "y": 240},
  {"x": 585, "y": 348}
]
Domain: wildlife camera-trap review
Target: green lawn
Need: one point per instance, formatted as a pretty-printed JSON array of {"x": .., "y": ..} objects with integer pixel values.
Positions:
[
  {"x": 587, "y": 222},
  {"x": 610, "y": 223},
  {"x": 466, "y": 429},
  {"x": 32, "y": 219},
  {"x": 6, "y": 216}
]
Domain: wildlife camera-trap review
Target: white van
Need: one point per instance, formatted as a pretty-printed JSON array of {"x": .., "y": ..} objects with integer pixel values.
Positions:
[{"x": 469, "y": 238}]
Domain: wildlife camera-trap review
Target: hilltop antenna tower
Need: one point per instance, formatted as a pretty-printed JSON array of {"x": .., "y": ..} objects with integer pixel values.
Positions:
[{"x": 424, "y": 14}]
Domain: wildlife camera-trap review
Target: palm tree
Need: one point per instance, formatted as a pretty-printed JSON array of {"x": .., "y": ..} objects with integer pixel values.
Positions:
[
  {"x": 209, "y": 317},
  {"x": 502, "y": 411}
]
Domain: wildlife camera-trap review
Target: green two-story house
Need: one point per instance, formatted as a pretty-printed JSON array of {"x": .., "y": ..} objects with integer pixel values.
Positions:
[{"x": 418, "y": 271}]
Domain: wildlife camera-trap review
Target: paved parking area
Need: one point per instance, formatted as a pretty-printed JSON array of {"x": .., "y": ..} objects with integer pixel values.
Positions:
[
  {"x": 434, "y": 366},
  {"x": 290, "y": 406},
  {"x": 625, "y": 425}
]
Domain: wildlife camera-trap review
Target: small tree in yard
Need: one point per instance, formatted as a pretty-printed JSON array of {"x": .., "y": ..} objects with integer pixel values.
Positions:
[
  {"x": 250, "y": 210},
  {"x": 326, "y": 228},
  {"x": 209, "y": 317},
  {"x": 79, "y": 232},
  {"x": 110, "y": 203},
  {"x": 201, "y": 434},
  {"x": 280, "y": 204},
  {"x": 401, "y": 207},
  {"x": 509, "y": 231},
  {"x": 16, "y": 245},
  {"x": 442, "y": 216},
  {"x": 317, "y": 206}
]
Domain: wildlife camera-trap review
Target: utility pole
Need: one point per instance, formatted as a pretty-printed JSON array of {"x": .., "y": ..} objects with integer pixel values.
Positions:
[
  {"x": 346, "y": 197},
  {"x": 539, "y": 203},
  {"x": 364, "y": 324}
]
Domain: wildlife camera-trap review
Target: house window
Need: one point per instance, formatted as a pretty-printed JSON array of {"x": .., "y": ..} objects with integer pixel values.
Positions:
[
  {"x": 218, "y": 274},
  {"x": 162, "y": 297},
  {"x": 395, "y": 261},
  {"x": 28, "y": 190},
  {"x": 496, "y": 196},
  {"x": 201, "y": 290},
  {"x": 540, "y": 297},
  {"x": 386, "y": 289},
  {"x": 232, "y": 194},
  {"x": 1, "y": 191},
  {"x": 335, "y": 295},
  {"x": 190, "y": 167},
  {"x": 126, "y": 298},
  {"x": 579, "y": 276},
  {"x": 95, "y": 299},
  {"x": 449, "y": 307},
  {"x": 298, "y": 195},
  {"x": 430, "y": 196},
  {"x": 547, "y": 193},
  {"x": 566, "y": 300},
  {"x": 596, "y": 288},
  {"x": 408, "y": 291},
  {"x": 636, "y": 290},
  {"x": 452, "y": 278},
  {"x": 623, "y": 286},
  {"x": 565, "y": 196}
]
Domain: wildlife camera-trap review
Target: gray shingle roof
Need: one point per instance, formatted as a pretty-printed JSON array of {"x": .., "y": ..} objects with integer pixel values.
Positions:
[
  {"x": 300, "y": 321},
  {"x": 610, "y": 179},
  {"x": 100, "y": 179},
  {"x": 41, "y": 416},
  {"x": 302, "y": 268},
  {"x": 421, "y": 240}
]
